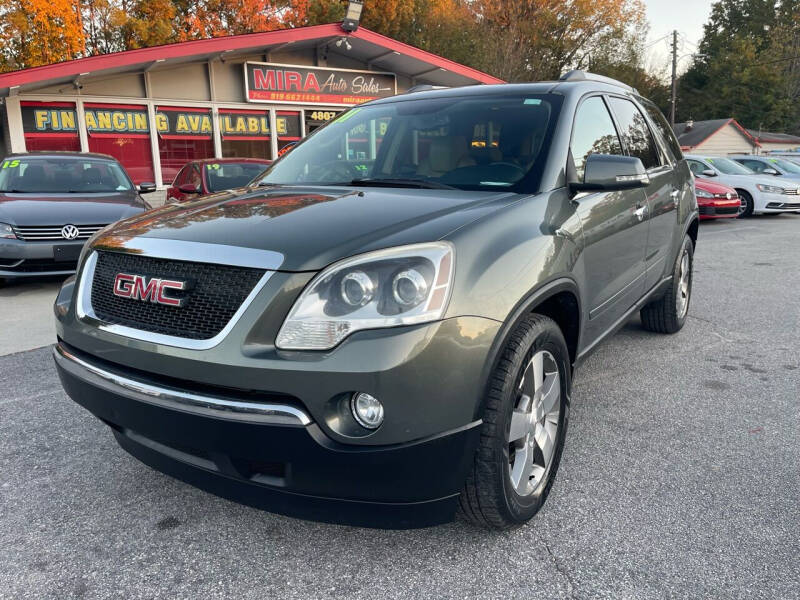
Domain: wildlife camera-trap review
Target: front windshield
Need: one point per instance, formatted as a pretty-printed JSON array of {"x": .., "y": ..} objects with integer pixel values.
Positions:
[
  {"x": 478, "y": 142},
  {"x": 54, "y": 175},
  {"x": 229, "y": 175},
  {"x": 785, "y": 165},
  {"x": 729, "y": 167}
]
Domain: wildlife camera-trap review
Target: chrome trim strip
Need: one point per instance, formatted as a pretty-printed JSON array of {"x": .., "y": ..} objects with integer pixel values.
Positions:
[
  {"x": 234, "y": 409},
  {"x": 218, "y": 254},
  {"x": 177, "y": 250}
]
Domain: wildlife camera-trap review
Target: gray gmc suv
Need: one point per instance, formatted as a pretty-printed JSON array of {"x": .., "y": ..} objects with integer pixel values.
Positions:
[{"x": 382, "y": 328}]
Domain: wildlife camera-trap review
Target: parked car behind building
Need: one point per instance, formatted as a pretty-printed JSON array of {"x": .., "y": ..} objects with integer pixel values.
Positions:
[
  {"x": 202, "y": 177},
  {"x": 52, "y": 202}
]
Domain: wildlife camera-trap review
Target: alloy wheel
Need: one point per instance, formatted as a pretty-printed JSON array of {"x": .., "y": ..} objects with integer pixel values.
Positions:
[
  {"x": 534, "y": 424},
  {"x": 684, "y": 285}
]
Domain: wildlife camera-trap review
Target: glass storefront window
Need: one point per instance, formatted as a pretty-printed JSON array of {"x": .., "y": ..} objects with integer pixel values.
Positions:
[
  {"x": 184, "y": 134},
  {"x": 245, "y": 133},
  {"x": 288, "y": 125},
  {"x": 50, "y": 126},
  {"x": 123, "y": 131}
]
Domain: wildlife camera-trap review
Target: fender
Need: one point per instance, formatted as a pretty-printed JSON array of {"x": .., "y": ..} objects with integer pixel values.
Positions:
[{"x": 523, "y": 307}]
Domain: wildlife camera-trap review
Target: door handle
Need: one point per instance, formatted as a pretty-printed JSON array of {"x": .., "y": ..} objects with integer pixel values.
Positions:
[
  {"x": 639, "y": 212},
  {"x": 675, "y": 195}
]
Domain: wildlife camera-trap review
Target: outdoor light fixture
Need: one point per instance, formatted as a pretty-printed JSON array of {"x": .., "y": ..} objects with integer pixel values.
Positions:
[{"x": 353, "y": 15}]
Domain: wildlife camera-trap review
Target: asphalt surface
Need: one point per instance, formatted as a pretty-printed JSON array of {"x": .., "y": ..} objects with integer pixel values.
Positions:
[{"x": 680, "y": 479}]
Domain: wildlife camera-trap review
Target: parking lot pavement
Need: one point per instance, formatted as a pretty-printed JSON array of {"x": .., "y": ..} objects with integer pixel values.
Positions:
[
  {"x": 680, "y": 479},
  {"x": 26, "y": 314}
]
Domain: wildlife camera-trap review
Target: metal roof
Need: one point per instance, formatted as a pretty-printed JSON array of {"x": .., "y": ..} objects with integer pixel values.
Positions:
[{"x": 378, "y": 51}]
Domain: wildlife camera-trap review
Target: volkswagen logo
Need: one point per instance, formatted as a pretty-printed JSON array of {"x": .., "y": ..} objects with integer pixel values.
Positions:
[{"x": 69, "y": 232}]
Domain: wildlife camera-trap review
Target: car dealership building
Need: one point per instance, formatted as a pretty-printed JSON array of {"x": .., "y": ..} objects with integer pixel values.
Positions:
[{"x": 155, "y": 109}]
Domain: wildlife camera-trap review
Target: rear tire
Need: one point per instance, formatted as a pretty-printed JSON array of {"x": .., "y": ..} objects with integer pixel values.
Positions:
[
  {"x": 746, "y": 204},
  {"x": 523, "y": 434},
  {"x": 668, "y": 313}
]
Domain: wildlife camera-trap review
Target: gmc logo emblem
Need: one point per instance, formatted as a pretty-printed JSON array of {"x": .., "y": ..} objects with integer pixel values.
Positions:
[{"x": 153, "y": 290}]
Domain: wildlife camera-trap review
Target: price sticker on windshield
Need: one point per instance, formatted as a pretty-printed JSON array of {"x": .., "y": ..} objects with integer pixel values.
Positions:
[{"x": 10, "y": 164}]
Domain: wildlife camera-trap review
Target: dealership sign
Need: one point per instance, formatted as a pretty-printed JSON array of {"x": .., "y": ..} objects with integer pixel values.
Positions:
[{"x": 265, "y": 82}]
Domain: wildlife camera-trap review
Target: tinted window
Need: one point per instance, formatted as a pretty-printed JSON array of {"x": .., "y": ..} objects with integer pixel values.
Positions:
[
  {"x": 754, "y": 165},
  {"x": 593, "y": 133},
  {"x": 226, "y": 176},
  {"x": 62, "y": 176},
  {"x": 697, "y": 167},
  {"x": 635, "y": 132},
  {"x": 182, "y": 176},
  {"x": 673, "y": 147},
  {"x": 729, "y": 167},
  {"x": 468, "y": 142}
]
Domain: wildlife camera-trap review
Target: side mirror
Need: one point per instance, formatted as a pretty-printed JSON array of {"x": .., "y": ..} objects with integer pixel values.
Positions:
[
  {"x": 709, "y": 173},
  {"x": 147, "y": 187},
  {"x": 610, "y": 173},
  {"x": 188, "y": 188},
  {"x": 770, "y": 171}
]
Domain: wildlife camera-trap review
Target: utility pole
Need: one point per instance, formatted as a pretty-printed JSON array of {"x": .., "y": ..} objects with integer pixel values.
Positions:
[{"x": 674, "y": 77}]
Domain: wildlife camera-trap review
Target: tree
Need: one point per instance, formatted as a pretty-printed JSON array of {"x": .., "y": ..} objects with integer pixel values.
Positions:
[
  {"x": 39, "y": 32},
  {"x": 539, "y": 39},
  {"x": 748, "y": 66}
]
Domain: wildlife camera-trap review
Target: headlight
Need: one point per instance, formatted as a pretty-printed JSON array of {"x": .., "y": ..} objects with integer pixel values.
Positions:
[
  {"x": 7, "y": 232},
  {"x": 770, "y": 189},
  {"x": 387, "y": 288},
  {"x": 702, "y": 193}
]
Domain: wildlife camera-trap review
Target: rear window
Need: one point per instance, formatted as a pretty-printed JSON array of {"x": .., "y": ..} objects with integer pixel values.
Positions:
[
  {"x": 54, "y": 175},
  {"x": 226, "y": 176}
]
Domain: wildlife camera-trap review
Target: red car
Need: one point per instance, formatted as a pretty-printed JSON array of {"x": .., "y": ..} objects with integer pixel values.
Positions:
[
  {"x": 201, "y": 177},
  {"x": 715, "y": 200}
]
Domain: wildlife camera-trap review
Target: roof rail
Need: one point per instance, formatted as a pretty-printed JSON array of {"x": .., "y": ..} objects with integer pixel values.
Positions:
[
  {"x": 425, "y": 87},
  {"x": 578, "y": 75}
]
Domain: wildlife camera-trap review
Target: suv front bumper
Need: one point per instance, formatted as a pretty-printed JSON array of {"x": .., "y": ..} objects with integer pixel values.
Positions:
[{"x": 277, "y": 456}]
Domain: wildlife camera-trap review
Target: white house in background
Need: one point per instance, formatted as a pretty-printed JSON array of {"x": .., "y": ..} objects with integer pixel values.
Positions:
[
  {"x": 775, "y": 142},
  {"x": 718, "y": 137},
  {"x": 726, "y": 136}
]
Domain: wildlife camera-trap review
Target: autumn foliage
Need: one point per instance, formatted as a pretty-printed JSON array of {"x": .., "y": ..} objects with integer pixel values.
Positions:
[{"x": 513, "y": 39}]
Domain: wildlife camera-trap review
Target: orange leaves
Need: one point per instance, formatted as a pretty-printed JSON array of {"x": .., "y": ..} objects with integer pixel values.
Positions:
[{"x": 38, "y": 32}]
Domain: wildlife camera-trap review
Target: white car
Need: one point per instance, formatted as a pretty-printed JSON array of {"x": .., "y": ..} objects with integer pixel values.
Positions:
[
  {"x": 769, "y": 165},
  {"x": 758, "y": 193}
]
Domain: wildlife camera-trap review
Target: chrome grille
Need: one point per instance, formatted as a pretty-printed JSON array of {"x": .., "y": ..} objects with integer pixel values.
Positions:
[
  {"x": 53, "y": 232},
  {"x": 791, "y": 192}
]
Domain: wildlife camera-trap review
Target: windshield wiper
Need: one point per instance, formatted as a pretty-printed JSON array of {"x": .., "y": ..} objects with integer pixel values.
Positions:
[{"x": 418, "y": 183}]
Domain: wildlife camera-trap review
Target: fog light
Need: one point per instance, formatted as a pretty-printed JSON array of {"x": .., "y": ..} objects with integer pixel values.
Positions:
[{"x": 367, "y": 410}]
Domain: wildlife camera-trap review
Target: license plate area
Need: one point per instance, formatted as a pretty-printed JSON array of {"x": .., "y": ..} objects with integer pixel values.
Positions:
[{"x": 67, "y": 252}]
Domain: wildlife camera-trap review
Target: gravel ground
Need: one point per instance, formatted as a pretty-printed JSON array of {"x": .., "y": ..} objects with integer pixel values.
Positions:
[{"x": 680, "y": 479}]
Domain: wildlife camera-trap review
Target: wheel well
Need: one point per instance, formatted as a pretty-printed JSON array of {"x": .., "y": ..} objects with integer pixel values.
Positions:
[
  {"x": 564, "y": 309},
  {"x": 693, "y": 228}
]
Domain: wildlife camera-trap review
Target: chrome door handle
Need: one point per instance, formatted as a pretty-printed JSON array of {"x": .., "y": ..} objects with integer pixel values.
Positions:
[
  {"x": 675, "y": 195},
  {"x": 639, "y": 212}
]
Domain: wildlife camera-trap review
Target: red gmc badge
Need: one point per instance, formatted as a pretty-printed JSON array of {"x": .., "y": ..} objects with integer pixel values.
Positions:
[{"x": 153, "y": 290}]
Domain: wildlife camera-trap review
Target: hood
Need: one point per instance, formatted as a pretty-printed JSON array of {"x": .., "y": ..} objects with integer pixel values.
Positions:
[
  {"x": 61, "y": 209},
  {"x": 713, "y": 187},
  {"x": 312, "y": 226}
]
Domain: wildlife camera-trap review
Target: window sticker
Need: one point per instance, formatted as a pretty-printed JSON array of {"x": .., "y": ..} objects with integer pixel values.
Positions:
[
  {"x": 10, "y": 164},
  {"x": 533, "y": 101},
  {"x": 349, "y": 114},
  {"x": 214, "y": 166}
]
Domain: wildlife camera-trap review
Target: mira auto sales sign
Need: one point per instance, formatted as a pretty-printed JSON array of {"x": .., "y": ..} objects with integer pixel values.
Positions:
[{"x": 265, "y": 82}]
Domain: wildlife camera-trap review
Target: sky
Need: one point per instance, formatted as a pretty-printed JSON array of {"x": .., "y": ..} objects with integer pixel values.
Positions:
[{"x": 687, "y": 16}]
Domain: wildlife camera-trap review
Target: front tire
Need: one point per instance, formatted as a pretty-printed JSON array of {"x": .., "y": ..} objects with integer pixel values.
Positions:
[
  {"x": 524, "y": 427},
  {"x": 668, "y": 313},
  {"x": 746, "y": 204}
]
